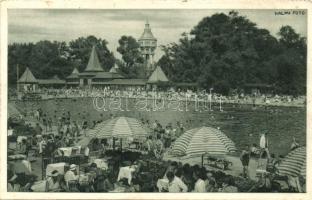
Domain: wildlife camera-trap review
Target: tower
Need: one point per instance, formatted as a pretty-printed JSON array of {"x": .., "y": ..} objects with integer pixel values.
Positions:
[{"x": 148, "y": 44}]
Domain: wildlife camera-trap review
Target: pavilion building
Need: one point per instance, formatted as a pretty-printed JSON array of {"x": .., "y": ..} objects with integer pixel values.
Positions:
[
  {"x": 95, "y": 76},
  {"x": 27, "y": 82}
]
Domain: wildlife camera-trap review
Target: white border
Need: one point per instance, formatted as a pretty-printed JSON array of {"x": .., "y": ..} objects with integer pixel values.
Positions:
[{"x": 144, "y": 4}]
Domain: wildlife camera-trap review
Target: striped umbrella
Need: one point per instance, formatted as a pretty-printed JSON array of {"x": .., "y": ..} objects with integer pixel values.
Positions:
[
  {"x": 294, "y": 164},
  {"x": 120, "y": 127},
  {"x": 202, "y": 140}
]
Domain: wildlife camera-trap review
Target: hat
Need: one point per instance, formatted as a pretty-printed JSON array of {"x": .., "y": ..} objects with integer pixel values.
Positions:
[
  {"x": 72, "y": 167},
  {"x": 55, "y": 173}
]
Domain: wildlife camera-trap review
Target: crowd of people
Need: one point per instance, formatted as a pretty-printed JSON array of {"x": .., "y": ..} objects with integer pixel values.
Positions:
[
  {"x": 147, "y": 172},
  {"x": 173, "y": 94}
]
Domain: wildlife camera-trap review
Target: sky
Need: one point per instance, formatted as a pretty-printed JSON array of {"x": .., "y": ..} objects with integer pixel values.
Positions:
[{"x": 32, "y": 25}]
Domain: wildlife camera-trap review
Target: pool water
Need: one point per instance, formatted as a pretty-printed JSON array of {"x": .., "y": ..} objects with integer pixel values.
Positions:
[{"x": 242, "y": 123}]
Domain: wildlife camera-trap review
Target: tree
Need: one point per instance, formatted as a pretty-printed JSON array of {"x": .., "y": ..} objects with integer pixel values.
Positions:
[
  {"x": 80, "y": 50},
  {"x": 291, "y": 63},
  {"x": 44, "y": 58},
  {"x": 132, "y": 59},
  {"x": 229, "y": 51},
  {"x": 18, "y": 54}
]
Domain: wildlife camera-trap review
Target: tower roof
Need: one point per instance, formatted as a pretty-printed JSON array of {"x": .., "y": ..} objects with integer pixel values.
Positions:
[
  {"x": 27, "y": 77},
  {"x": 158, "y": 76},
  {"x": 94, "y": 63},
  {"x": 147, "y": 34}
]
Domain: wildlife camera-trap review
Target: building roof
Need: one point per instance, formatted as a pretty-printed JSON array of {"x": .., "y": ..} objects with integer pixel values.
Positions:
[
  {"x": 27, "y": 77},
  {"x": 107, "y": 75},
  {"x": 158, "y": 76},
  {"x": 52, "y": 81},
  {"x": 94, "y": 63},
  {"x": 125, "y": 82},
  {"x": 258, "y": 85},
  {"x": 147, "y": 34},
  {"x": 183, "y": 84},
  {"x": 74, "y": 74},
  {"x": 100, "y": 75},
  {"x": 72, "y": 83}
]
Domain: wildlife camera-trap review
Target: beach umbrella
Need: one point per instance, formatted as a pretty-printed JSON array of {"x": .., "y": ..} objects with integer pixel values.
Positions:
[
  {"x": 202, "y": 140},
  {"x": 294, "y": 164},
  {"x": 120, "y": 127}
]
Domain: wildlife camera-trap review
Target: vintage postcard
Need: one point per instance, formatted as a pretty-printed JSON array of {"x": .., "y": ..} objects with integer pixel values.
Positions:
[{"x": 155, "y": 99}]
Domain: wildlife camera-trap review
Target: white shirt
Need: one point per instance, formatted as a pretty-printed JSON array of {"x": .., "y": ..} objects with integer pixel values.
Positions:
[
  {"x": 27, "y": 164},
  {"x": 200, "y": 186},
  {"x": 41, "y": 144},
  {"x": 70, "y": 176},
  {"x": 262, "y": 141},
  {"x": 86, "y": 151},
  {"x": 177, "y": 185},
  {"x": 125, "y": 172},
  {"x": 52, "y": 186}
]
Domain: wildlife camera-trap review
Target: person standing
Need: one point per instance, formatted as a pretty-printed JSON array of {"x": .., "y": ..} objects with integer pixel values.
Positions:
[
  {"x": 264, "y": 144},
  {"x": 245, "y": 157},
  {"x": 159, "y": 146}
]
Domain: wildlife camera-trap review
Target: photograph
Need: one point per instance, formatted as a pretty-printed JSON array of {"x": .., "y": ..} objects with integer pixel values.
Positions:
[{"x": 156, "y": 100}]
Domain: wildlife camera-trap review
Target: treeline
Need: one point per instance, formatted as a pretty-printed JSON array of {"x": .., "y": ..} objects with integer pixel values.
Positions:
[
  {"x": 46, "y": 58},
  {"x": 222, "y": 51},
  {"x": 229, "y": 51}
]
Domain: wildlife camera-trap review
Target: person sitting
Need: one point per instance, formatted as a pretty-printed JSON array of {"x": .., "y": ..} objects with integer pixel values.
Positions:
[
  {"x": 228, "y": 185},
  {"x": 175, "y": 183},
  {"x": 272, "y": 162},
  {"x": 211, "y": 186},
  {"x": 254, "y": 150},
  {"x": 149, "y": 145},
  {"x": 200, "y": 176},
  {"x": 23, "y": 147},
  {"x": 103, "y": 184},
  {"x": 71, "y": 175},
  {"x": 294, "y": 144},
  {"x": 13, "y": 185},
  {"x": 187, "y": 177},
  {"x": 123, "y": 186},
  {"x": 53, "y": 182},
  {"x": 158, "y": 150}
]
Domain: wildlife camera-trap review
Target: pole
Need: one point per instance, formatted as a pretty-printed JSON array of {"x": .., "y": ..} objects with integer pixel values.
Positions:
[
  {"x": 221, "y": 103},
  {"x": 121, "y": 144},
  {"x": 210, "y": 98},
  {"x": 17, "y": 76}
]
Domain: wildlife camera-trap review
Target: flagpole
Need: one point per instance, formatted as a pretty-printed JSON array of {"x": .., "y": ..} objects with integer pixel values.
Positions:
[{"x": 17, "y": 76}]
